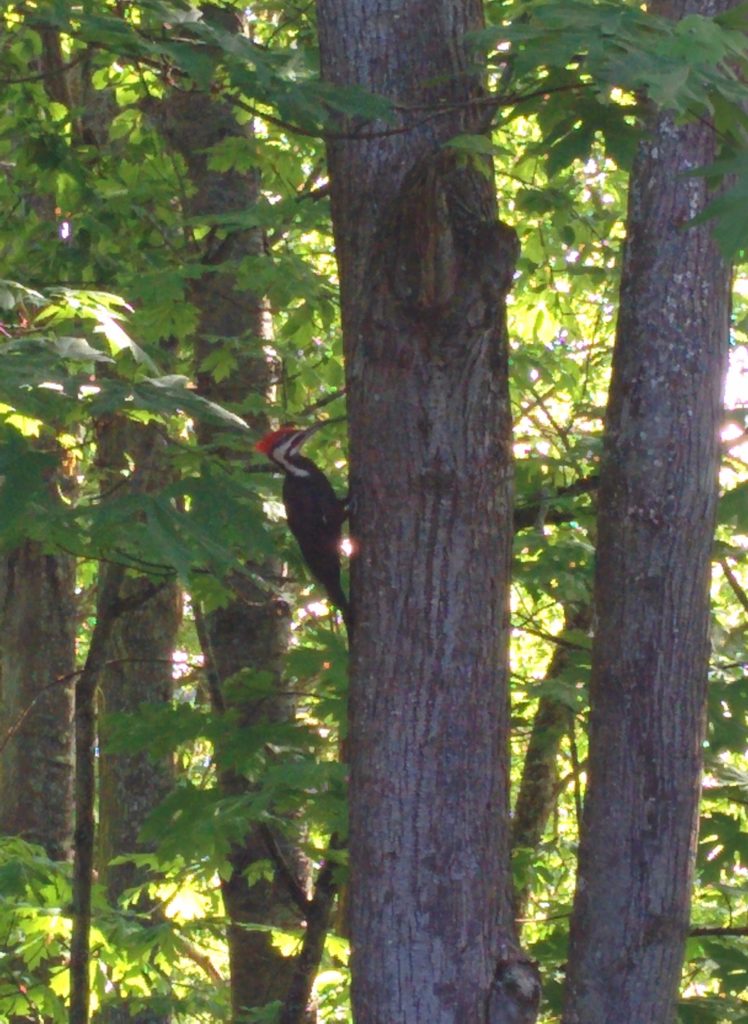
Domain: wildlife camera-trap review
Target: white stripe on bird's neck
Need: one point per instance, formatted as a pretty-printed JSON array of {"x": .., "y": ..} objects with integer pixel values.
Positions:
[{"x": 280, "y": 455}]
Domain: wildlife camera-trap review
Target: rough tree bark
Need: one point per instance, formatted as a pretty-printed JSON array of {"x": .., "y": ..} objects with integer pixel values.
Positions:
[
  {"x": 425, "y": 267},
  {"x": 37, "y": 641},
  {"x": 658, "y": 492},
  {"x": 37, "y": 635}
]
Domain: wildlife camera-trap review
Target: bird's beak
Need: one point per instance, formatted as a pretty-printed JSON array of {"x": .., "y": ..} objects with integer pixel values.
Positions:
[{"x": 312, "y": 430}]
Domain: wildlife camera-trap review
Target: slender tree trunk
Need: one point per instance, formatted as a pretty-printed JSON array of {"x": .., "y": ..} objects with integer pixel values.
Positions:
[
  {"x": 657, "y": 499},
  {"x": 138, "y": 672},
  {"x": 424, "y": 267},
  {"x": 109, "y": 586}
]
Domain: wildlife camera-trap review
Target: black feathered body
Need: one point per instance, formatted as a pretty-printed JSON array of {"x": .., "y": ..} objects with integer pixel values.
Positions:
[{"x": 315, "y": 517}]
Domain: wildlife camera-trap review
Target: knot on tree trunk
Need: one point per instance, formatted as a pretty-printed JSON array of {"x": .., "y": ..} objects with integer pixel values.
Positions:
[
  {"x": 514, "y": 996},
  {"x": 452, "y": 256}
]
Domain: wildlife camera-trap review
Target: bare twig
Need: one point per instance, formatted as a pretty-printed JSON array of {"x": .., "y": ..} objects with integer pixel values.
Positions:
[
  {"x": 551, "y": 639},
  {"x": 14, "y": 727},
  {"x": 322, "y": 402},
  {"x": 735, "y": 586},
  {"x": 729, "y": 930},
  {"x": 47, "y": 73},
  {"x": 526, "y": 515}
]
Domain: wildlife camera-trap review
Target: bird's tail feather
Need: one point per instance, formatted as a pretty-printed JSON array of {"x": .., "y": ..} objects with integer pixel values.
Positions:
[{"x": 339, "y": 599}]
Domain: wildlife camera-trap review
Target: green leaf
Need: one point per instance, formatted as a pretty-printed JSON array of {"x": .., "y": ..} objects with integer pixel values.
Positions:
[
  {"x": 479, "y": 144},
  {"x": 25, "y": 472},
  {"x": 733, "y": 508},
  {"x": 78, "y": 350}
]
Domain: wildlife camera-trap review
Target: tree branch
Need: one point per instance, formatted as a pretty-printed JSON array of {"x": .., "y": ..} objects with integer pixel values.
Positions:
[
  {"x": 527, "y": 514},
  {"x": 317, "y": 924},
  {"x": 727, "y": 931},
  {"x": 293, "y": 885}
]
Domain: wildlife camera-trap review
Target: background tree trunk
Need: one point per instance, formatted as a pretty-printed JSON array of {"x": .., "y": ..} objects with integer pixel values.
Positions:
[
  {"x": 252, "y": 630},
  {"x": 658, "y": 493},
  {"x": 37, "y": 682},
  {"x": 37, "y": 591},
  {"x": 37, "y": 638},
  {"x": 139, "y": 672},
  {"x": 424, "y": 268}
]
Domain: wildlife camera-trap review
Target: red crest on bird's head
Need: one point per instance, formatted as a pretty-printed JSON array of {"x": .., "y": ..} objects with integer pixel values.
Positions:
[
  {"x": 273, "y": 438},
  {"x": 270, "y": 442}
]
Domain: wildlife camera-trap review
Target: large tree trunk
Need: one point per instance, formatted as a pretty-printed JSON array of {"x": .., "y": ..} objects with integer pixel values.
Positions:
[
  {"x": 424, "y": 267},
  {"x": 658, "y": 493}
]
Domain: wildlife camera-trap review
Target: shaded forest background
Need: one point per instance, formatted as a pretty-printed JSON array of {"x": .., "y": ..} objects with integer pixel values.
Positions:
[{"x": 168, "y": 673}]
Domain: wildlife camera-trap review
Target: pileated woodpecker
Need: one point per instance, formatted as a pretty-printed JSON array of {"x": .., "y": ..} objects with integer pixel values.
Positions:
[{"x": 314, "y": 512}]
